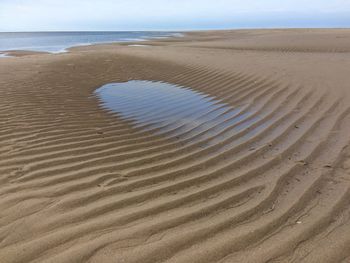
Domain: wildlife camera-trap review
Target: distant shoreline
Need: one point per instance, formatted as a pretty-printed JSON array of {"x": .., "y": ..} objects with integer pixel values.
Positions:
[{"x": 60, "y": 42}]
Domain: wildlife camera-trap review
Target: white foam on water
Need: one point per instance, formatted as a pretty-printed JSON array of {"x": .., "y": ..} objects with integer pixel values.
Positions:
[{"x": 136, "y": 45}]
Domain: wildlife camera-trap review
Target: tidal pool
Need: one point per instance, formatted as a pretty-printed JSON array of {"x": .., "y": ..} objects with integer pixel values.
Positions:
[{"x": 168, "y": 108}]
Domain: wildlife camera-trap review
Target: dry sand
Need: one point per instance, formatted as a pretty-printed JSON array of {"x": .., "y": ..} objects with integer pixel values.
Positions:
[{"x": 80, "y": 185}]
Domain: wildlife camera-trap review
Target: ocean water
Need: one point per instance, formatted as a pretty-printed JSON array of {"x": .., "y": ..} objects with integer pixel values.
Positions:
[{"x": 57, "y": 42}]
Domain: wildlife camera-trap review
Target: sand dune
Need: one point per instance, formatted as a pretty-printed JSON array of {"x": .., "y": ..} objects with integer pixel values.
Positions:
[{"x": 268, "y": 182}]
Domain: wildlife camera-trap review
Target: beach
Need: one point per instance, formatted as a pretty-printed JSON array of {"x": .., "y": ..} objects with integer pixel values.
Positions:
[{"x": 81, "y": 184}]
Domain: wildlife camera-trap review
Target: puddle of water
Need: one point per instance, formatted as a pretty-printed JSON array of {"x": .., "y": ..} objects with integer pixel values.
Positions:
[
  {"x": 4, "y": 55},
  {"x": 167, "y": 108}
]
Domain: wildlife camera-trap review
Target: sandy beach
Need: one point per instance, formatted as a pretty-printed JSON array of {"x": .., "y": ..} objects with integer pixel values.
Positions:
[{"x": 80, "y": 184}]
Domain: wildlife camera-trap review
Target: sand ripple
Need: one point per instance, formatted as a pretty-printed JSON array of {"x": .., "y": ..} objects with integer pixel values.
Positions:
[{"x": 254, "y": 179}]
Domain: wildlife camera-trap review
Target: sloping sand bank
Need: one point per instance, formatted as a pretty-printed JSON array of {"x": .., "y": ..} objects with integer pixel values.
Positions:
[{"x": 79, "y": 184}]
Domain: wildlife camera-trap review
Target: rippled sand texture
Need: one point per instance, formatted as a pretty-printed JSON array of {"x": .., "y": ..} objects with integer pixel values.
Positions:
[{"x": 269, "y": 183}]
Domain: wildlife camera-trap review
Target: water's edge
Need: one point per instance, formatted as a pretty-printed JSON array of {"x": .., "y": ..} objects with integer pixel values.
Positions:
[{"x": 60, "y": 42}]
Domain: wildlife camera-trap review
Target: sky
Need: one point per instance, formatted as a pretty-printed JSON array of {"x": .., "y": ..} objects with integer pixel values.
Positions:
[{"x": 115, "y": 15}]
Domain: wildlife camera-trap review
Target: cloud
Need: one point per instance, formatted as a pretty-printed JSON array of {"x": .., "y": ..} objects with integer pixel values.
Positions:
[{"x": 27, "y": 15}]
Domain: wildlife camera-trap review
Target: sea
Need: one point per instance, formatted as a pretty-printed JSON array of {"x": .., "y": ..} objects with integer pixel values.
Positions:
[{"x": 57, "y": 42}]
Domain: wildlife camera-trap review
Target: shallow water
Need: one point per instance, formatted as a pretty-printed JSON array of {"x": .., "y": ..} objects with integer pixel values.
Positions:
[
  {"x": 57, "y": 42},
  {"x": 168, "y": 108}
]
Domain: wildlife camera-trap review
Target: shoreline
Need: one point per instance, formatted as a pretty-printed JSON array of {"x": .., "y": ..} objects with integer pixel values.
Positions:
[
  {"x": 24, "y": 52},
  {"x": 268, "y": 180}
]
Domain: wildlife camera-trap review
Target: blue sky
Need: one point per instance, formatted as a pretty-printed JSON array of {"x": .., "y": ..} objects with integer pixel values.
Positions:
[{"x": 46, "y": 15}]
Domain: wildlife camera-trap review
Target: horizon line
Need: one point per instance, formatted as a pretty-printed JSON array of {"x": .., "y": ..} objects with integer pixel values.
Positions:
[{"x": 179, "y": 30}]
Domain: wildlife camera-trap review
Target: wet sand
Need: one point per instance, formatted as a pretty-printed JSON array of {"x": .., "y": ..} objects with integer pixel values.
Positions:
[{"x": 80, "y": 184}]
